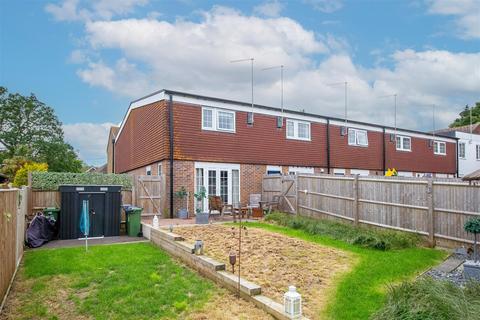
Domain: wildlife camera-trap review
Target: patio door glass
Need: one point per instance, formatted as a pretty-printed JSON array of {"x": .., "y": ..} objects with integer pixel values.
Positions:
[
  {"x": 224, "y": 185},
  {"x": 221, "y": 180}
]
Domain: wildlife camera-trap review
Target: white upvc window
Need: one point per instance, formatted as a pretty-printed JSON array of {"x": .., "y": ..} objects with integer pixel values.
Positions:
[
  {"x": 478, "y": 151},
  {"x": 159, "y": 171},
  {"x": 461, "y": 150},
  {"x": 218, "y": 119},
  {"x": 403, "y": 143},
  {"x": 299, "y": 130},
  {"x": 300, "y": 170},
  {"x": 148, "y": 170},
  {"x": 357, "y": 137},
  {"x": 439, "y": 147}
]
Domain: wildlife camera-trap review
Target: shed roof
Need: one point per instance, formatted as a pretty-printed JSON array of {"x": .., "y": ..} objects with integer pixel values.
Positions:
[{"x": 475, "y": 175}]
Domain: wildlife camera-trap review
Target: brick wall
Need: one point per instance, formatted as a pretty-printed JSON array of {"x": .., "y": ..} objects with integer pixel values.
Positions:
[{"x": 251, "y": 177}]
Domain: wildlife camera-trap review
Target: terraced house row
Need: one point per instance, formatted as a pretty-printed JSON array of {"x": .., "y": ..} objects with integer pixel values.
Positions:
[{"x": 227, "y": 146}]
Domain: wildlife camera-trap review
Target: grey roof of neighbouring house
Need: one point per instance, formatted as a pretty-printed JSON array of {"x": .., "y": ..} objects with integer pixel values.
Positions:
[{"x": 475, "y": 175}]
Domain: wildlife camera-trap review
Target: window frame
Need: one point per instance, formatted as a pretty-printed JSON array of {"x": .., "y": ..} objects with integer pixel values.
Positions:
[
  {"x": 464, "y": 150},
  {"x": 477, "y": 152},
  {"x": 402, "y": 147},
  {"x": 215, "y": 119},
  {"x": 148, "y": 170},
  {"x": 436, "y": 148},
  {"x": 159, "y": 169},
  {"x": 356, "y": 131},
  {"x": 296, "y": 131}
]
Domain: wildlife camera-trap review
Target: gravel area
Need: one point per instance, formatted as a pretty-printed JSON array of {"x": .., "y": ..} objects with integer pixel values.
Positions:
[{"x": 275, "y": 261}]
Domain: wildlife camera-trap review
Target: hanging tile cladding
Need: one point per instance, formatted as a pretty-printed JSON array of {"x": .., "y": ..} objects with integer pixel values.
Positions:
[
  {"x": 262, "y": 143},
  {"x": 421, "y": 158},
  {"x": 144, "y": 138},
  {"x": 343, "y": 155}
]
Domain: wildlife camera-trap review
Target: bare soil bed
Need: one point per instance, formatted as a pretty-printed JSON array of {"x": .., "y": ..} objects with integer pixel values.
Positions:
[{"x": 276, "y": 261}]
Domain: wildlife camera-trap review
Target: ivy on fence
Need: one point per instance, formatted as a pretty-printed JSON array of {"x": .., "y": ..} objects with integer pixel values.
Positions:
[{"x": 52, "y": 180}]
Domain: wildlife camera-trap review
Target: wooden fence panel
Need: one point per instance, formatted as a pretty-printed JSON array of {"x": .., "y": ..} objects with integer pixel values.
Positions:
[
  {"x": 437, "y": 208},
  {"x": 8, "y": 237}
]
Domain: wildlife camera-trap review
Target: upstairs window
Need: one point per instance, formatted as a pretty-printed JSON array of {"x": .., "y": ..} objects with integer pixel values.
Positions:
[
  {"x": 299, "y": 130},
  {"x": 440, "y": 148},
  {"x": 403, "y": 143},
  {"x": 218, "y": 119},
  {"x": 357, "y": 137},
  {"x": 461, "y": 150}
]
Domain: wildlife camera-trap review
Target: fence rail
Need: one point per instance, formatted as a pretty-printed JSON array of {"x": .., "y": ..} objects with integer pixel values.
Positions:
[{"x": 434, "y": 208}]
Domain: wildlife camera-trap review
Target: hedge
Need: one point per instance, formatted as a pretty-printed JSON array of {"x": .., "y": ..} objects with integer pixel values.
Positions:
[{"x": 52, "y": 180}]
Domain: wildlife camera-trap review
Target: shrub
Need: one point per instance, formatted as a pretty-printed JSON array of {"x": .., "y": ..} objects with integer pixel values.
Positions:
[
  {"x": 51, "y": 180},
  {"x": 21, "y": 177},
  {"x": 360, "y": 236},
  {"x": 429, "y": 299}
]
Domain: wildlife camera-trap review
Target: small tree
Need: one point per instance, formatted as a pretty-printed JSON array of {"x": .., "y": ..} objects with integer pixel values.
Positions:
[
  {"x": 21, "y": 177},
  {"x": 199, "y": 196},
  {"x": 473, "y": 226}
]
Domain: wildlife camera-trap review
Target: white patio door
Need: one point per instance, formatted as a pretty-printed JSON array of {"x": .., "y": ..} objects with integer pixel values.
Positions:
[{"x": 218, "y": 180}]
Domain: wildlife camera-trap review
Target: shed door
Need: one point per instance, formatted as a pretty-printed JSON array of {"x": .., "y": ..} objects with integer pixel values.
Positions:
[{"x": 96, "y": 206}]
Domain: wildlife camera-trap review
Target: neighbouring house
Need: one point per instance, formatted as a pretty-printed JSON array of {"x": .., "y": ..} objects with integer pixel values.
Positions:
[
  {"x": 468, "y": 147},
  {"x": 100, "y": 169},
  {"x": 111, "y": 148},
  {"x": 228, "y": 146}
]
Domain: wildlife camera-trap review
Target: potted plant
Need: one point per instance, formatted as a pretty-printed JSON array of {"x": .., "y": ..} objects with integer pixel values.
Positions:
[
  {"x": 200, "y": 217},
  {"x": 182, "y": 194},
  {"x": 471, "y": 268}
]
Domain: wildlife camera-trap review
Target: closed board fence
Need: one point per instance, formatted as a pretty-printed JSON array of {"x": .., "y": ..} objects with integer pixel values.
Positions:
[
  {"x": 13, "y": 207},
  {"x": 436, "y": 209}
]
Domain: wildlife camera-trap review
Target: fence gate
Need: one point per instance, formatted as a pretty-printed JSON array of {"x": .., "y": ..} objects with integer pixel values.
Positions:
[
  {"x": 283, "y": 186},
  {"x": 149, "y": 193}
]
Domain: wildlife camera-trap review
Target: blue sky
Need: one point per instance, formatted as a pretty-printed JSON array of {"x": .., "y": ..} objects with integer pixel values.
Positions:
[{"x": 88, "y": 59}]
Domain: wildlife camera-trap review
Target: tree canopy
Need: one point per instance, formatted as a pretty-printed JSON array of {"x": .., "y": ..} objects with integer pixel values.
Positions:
[
  {"x": 464, "y": 118},
  {"x": 31, "y": 130}
]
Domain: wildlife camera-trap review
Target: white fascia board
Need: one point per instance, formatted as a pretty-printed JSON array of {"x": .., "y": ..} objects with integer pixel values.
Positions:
[
  {"x": 400, "y": 132},
  {"x": 231, "y": 106},
  {"x": 356, "y": 126}
]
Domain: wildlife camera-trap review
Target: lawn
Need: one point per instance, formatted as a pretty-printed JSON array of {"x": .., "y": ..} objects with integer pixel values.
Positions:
[
  {"x": 128, "y": 281},
  {"x": 362, "y": 291}
]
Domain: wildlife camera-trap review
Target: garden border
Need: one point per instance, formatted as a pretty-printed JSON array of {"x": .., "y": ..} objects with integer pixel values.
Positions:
[{"x": 212, "y": 269}]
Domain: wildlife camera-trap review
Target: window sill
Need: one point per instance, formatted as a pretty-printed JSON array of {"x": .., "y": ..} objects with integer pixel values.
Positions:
[
  {"x": 358, "y": 145},
  {"x": 299, "y": 139},
  {"x": 404, "y": 150},
  {"x": 218, "y": 130}
]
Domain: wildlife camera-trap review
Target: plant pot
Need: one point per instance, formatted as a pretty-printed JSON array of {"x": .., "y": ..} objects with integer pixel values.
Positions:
[
  {"x": 202, "y": 218},
  {"x": 471, "y": 270},
  {"x": 182, "y": 214}
]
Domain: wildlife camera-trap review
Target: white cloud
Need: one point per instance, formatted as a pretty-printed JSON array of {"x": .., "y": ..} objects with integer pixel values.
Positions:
[
  {"x": 269, "y": 9},
  {"x": 466, "y": 14},
  {"x": 89, "y": 139},
  {"x": 325, "y": 6},
  {"x": 70, "y": 10}
]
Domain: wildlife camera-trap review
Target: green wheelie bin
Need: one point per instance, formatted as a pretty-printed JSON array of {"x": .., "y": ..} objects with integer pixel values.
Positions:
[{"x": 133, "y": 221}]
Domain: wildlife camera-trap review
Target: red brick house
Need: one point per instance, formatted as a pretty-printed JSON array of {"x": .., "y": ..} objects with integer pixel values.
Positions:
[{"x": 213, "y": 143}]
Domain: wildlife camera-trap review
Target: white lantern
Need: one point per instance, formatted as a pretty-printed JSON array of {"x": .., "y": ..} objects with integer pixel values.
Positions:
[
  {"x": 155, "y": 221},
  {"x": 292, "y": 301}
]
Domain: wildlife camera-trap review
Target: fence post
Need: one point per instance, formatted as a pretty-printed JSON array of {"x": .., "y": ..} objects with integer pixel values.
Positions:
[
  {"x": 355, "y": 201},
  {"x": 134, "y": 190},
  {"x": 431, "y": 220},
  {"x": 297, "y": 199}
]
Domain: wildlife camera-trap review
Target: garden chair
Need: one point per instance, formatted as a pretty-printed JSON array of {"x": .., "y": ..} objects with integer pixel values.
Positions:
[{"x": 215, "y": 203}]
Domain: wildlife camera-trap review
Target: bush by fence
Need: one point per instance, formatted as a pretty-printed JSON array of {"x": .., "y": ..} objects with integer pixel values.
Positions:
[{"x": 52, "y": 180}]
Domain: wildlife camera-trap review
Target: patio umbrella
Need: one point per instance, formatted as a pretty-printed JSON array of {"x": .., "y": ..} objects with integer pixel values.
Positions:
[{"x": 85, "y": 222}]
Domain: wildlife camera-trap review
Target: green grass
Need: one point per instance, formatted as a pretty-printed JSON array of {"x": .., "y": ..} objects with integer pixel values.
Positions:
[
  {"x": 362, "y": 236},
  {"x": 427, "y": 299},
  {"x": 130, "y": 281},
  {"x": 362, "y": 291}
]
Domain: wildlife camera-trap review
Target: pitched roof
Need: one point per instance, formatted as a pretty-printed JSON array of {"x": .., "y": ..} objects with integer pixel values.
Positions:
[
  {"x": 475, "y": 175},
  {"x": 475, "y": 129},
  {"x": 114, "y": 131}
]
